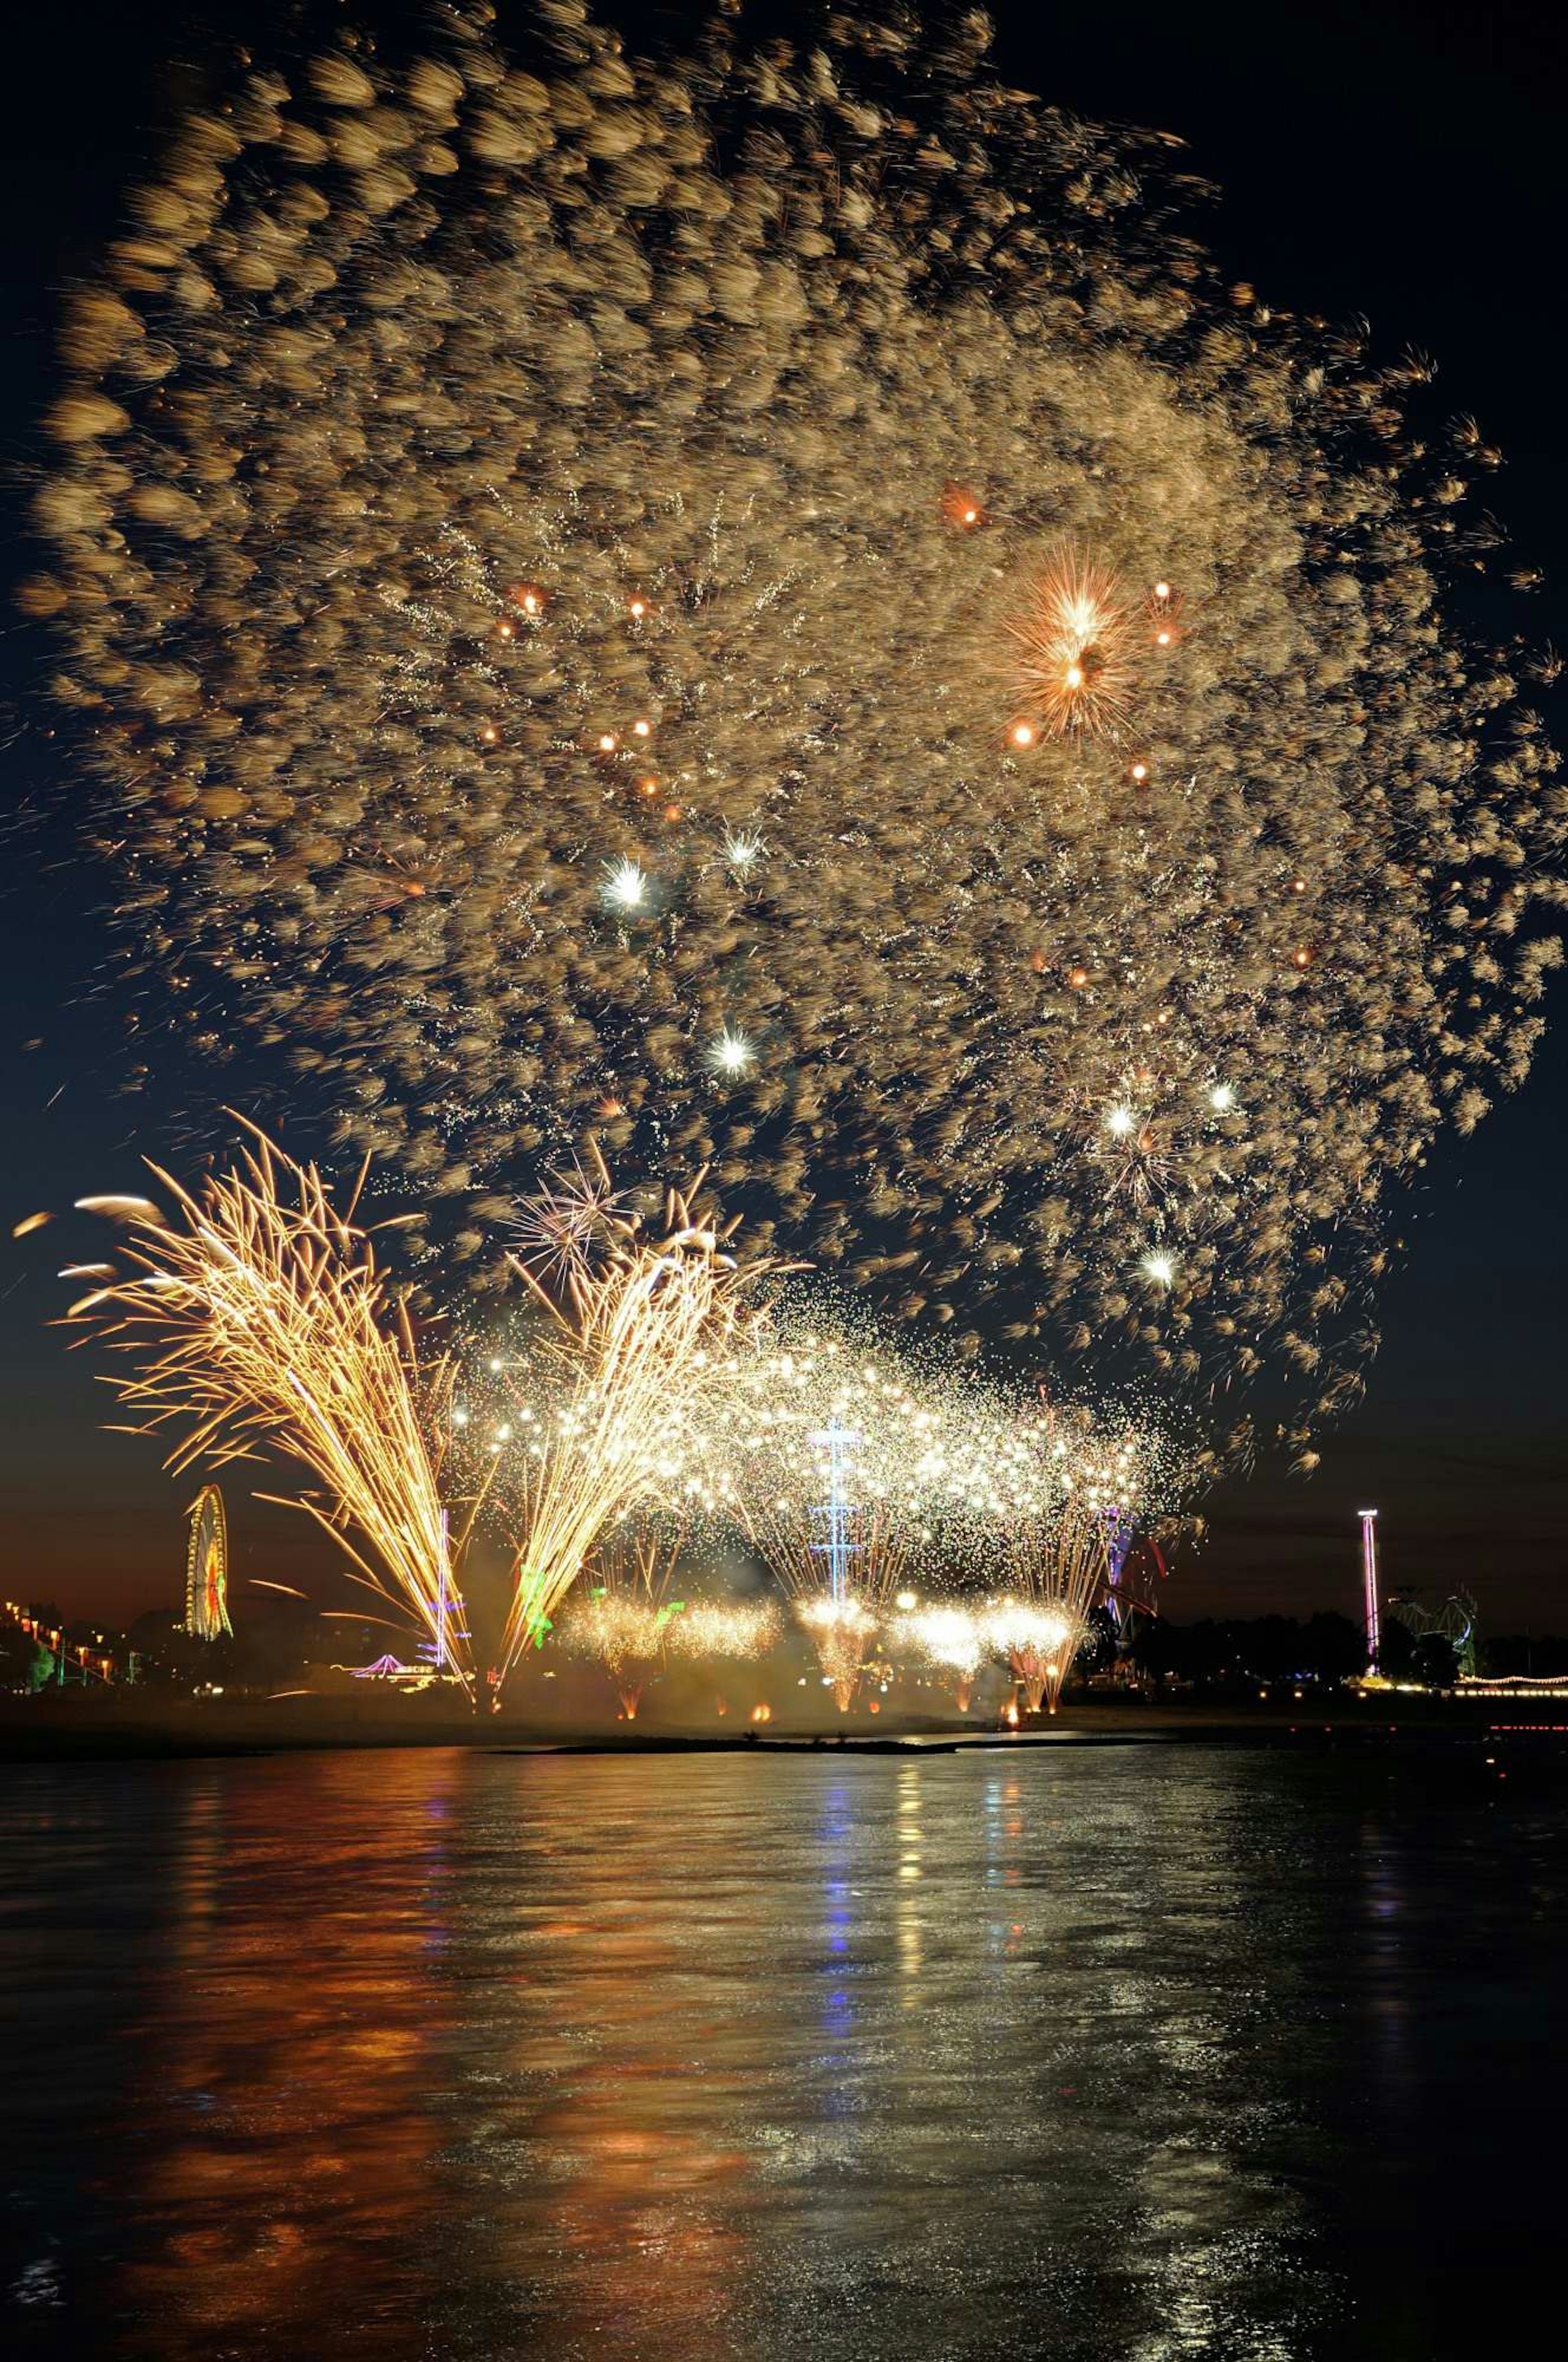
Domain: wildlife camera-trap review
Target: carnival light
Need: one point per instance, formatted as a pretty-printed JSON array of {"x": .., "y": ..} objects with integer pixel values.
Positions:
[{"x": 1374, "y": 1613}]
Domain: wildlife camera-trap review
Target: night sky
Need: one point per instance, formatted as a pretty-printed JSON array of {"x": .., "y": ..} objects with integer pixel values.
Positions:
[{"x": 1397, "y": 161}]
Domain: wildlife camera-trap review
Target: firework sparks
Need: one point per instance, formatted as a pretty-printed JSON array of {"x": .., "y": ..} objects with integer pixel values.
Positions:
[
  {"x": 373, "y": 714},
  {"x": 731, "y": 1055},
  {"x": 841, "y": 1632},
  {"x": 624, "y": 1619},
  {"x": 557, "y": 1227},
  {"x": 742, "y": 850},
  {"x": 632, "y": 1340},
  {"x": 1138, "y": 1167},
  {"x": 1066, "y": 1484},
  {"x": 951, "y": 1639},
  {"x": 625, "y": 885},
  {"x": 1071, "y": 641},
  {"x": 257, "y": 1318},
  {"x": 823, "y": 1453},
  {"x": 725, "y": 1627},
  {"x": 1039, "y": 1642}
]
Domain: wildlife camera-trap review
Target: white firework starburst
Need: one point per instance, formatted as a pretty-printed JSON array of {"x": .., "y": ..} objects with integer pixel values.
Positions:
[
  {"x": 1138, "y": 1163},
  {"x": 558, "y": 1226}
]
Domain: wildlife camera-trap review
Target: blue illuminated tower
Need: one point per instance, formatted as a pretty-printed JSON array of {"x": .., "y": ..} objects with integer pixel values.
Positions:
[{"x": 832, "y": 1517}]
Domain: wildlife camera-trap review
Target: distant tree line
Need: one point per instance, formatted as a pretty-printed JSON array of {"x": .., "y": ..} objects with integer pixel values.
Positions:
[{"x": 1215, "y": 1652}]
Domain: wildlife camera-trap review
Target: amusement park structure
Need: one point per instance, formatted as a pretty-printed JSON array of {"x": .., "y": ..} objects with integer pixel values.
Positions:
[
  {"x": 1369, "y": 1586},
  {"x": 1454, "y": 1621},
  {"x": 1131, "y": 1561},
  {"x": 207, "y": 1568}
]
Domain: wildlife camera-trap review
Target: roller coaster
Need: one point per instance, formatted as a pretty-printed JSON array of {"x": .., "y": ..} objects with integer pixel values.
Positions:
[{"x": 1454, "y": 1621}]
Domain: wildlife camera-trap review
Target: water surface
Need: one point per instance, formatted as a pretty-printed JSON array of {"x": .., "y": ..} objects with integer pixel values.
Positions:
[{"x": 1132, "y": 2053}]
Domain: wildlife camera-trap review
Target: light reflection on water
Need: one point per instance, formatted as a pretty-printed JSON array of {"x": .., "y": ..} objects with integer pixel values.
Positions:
[{"x": 1144, "y": 2054}]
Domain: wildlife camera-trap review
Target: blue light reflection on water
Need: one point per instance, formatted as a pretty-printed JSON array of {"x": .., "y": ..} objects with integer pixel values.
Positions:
[{"x": 1115, "y": 2054}]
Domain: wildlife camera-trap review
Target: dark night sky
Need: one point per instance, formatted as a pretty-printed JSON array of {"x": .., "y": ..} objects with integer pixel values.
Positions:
[{"x": 1401, "y": 159}]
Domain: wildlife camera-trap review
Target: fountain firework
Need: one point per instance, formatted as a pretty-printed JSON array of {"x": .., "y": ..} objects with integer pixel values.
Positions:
[
  {"x": 737, "y": 1629},
  {"x": 817, "y": 1442},
  {"x": 1066, "y": 1482},
  {"x": 949, "y": 1637},
  {"x": 257, "y": 1318},
  {"x": 634, "y": 1327}
]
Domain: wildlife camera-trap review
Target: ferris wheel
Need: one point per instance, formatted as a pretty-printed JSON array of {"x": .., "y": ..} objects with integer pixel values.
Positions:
[{"x": 207, "y": 1567}]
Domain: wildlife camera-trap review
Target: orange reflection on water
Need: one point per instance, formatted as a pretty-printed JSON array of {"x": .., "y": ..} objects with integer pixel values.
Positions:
[
  {"x": 287, "y": 2086},
  {"x": 646, "y": 2212}
]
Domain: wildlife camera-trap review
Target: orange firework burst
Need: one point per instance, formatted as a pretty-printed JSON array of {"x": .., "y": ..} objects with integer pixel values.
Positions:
[
  {"x": 962, "y": 506},
  {"x": 1071, "y": 643}
]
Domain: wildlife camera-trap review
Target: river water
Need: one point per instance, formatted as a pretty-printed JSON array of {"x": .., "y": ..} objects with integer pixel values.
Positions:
[{"x": 1118, "y": 2052}]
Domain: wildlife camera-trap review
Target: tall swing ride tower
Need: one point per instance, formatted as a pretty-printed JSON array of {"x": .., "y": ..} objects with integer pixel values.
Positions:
[{"x": 1369, "y": 1581}]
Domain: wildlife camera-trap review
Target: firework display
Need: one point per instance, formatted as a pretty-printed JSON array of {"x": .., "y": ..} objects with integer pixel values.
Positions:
[
  {"x": 710, "y": 1630},
  {"x": 257, "y": 1319},
  {"x": 821, "y": 1450},
  {"x": 950, "y": 1638},
  {"x": 1038, "y": 1642},
  {"x": 653, "y": 1385},
  {"x": 632, "y": 1334},
  {"x": 623, "y": 1610},
  {"x": 774, "y": 602},
  {"x": 1070, "y": 1487}
]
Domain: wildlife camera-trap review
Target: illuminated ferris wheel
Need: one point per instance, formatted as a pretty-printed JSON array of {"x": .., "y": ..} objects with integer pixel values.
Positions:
[{"x": 207, "y": 1567}]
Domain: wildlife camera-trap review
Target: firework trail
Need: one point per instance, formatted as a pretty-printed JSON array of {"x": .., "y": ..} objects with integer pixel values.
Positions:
[
  {"x": 773, "y": 600},
  {"x": 258, "y": 1320},
  {"x": 633, "y": 1333}
]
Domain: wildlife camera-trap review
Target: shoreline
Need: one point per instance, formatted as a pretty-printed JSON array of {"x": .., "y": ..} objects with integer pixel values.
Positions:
[{"x": 34, "y": 1732}]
